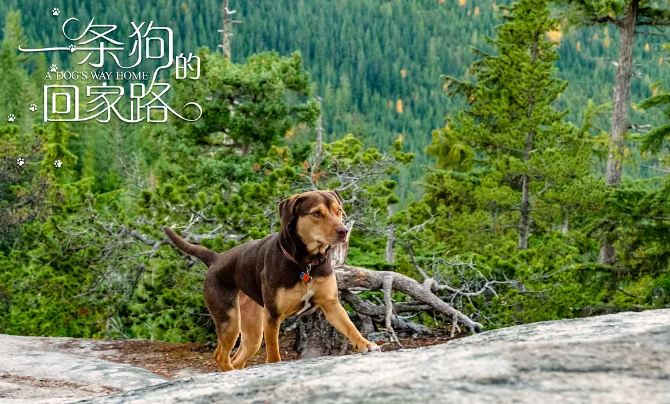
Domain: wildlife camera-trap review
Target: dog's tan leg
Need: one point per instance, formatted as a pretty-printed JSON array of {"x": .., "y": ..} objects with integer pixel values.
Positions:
[
  {"x": 271, "y": 336},
  {"x": 326, "y": 298},
  {"x": 227, "y": 334},
  {"x": 223, "y": 305},
  {"x": 251, "y": 321}
]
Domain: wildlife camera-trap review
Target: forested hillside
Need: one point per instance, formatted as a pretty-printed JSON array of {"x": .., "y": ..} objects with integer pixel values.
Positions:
[
  {"x": 500, "y": 114},
  {"x": 376, "y": 64}
]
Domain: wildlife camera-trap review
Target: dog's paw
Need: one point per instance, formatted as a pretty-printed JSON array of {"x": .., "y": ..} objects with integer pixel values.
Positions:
[{"x": 370, "y": 347}]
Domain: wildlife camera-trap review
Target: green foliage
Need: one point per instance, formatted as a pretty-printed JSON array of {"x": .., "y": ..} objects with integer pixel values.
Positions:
[
  {"x": 588, "y": 12},
  {"x": 247, "y": 103},
  {"x": 23, "y": 190},
  {"x": 98, "y": 264},
  {"x": 81, "y": 248},
  {"x": 465, "y": 230},
  {"x": 362, "y": 57},
  {"x": 655, "y": 139},
  {"x": 113, "y": 262}
]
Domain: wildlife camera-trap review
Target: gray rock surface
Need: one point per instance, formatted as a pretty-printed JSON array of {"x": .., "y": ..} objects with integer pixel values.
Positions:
[
  {"x": 621, "y": 358},
  {"x": 60, "y": 370}
]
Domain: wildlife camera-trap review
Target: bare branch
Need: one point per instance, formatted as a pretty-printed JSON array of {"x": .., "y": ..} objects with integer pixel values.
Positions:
[
  {"x": 387, "y": 289},
  {"x": 416, "y": 265}
]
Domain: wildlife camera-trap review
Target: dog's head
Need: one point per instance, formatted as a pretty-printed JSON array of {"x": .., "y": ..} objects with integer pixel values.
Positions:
[{"x": 317, "y": 216}]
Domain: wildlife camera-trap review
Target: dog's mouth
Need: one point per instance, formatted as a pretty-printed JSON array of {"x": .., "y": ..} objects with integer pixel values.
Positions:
[{"x": 333, "y": 240}]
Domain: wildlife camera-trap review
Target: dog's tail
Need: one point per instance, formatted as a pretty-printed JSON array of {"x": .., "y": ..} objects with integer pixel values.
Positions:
[{"x": 206, "y": 255}]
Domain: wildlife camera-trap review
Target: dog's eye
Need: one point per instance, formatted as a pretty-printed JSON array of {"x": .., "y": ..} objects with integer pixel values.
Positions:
[{"x": 316, "y": 214}]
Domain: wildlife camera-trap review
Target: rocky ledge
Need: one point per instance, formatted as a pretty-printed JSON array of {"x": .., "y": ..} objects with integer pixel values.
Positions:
[{"x": 620, "y": 358}]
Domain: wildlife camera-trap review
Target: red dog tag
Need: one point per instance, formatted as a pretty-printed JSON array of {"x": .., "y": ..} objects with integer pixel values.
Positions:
[{"x": 305, "y": 277}]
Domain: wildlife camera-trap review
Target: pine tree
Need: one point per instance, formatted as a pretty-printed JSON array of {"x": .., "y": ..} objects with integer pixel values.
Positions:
[
  {"x": 628, "y": 16},
  {"x": 655, "y": 140},
  {"x": 511, "y": 127},
  {"x": 252, "y": 104},
  {"x": 14, "y": 84}
]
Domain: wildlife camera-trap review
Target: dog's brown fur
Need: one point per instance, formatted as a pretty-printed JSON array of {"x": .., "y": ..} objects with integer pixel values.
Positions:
[{"x": 253, "y": 287}]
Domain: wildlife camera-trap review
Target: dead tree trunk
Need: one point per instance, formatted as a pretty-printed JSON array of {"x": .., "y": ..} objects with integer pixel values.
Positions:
[
  {"x": 389, "y": 253},
  {"x": 318, "y": 151},
  {"x": 225, "y": 31},
  {"x": 315, "y": 337},
  {"x": 338, "y": 254},
  {"x": 620, "y": 105}
]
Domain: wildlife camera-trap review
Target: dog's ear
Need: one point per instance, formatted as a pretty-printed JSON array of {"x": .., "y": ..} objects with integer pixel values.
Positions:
[
  {"x": 287, "y": 209},
  {"x": 338, "y": 197}
]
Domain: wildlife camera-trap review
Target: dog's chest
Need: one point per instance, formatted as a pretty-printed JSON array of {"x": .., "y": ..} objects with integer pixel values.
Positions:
[
  {"x": 298, "y": 300},
  {"x": 306, "y": 301}
]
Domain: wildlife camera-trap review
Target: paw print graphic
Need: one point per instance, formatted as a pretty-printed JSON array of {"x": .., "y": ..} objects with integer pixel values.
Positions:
[
  {"x": 53, "y": 68},
  {"x": 56, "y": 12},
  {"x": 58, "y": 163},
  {"x": 72, "y": 48},
  {"x": 20, "y": 161},
  {"x": 33, "y": 108},
  {"x": 11, "y": 118}
]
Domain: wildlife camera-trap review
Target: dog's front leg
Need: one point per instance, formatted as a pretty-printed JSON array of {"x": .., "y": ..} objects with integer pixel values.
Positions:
[
  {"x": 327, "y": 299},
  {"x": 271, "y": 336},
  {"x": 338, "y": 317}
]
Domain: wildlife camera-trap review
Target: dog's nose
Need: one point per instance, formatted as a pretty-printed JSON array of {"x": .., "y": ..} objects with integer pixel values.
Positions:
[{"x": 341, "y": 231}]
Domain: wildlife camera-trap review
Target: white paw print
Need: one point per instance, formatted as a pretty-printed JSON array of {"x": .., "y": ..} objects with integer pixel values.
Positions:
[
  {"x": 11, "y": 118},
  {"x": 58, "y": 163},
  {"x": 20, "y": 161},
  {"x": 72, "y": 48},
  {"x": 53, "y": 68},
  {"x": 56, "y": 12},
  {"x": 33, "y": 108}
]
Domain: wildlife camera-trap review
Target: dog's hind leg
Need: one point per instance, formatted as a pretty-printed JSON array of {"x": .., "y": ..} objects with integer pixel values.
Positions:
[
  {"x": 223, "y": 305},
  {"x": 251, "y": 320},
  {"x": 227, "y": 333}
]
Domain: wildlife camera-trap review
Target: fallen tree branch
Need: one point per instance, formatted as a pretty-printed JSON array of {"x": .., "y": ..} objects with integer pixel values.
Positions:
[
  {"x": 350, "y": 277},
  {"x": 366, "y": 309}
]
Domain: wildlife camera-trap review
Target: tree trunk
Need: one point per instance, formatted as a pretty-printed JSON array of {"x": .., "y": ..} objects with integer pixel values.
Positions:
[
  {"x": 524, "y": 221},
  {"x": 620, "y": 105},
  {"x": 319, "y": 135},
  {"x": 338, "y": 253},
  {"x": 315, "y": 337},
  {"x": 389, "y": 253},
  {"x": 225, "y": 37}
]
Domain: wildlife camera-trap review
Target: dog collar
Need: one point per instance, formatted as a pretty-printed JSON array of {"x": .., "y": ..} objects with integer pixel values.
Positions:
[{"x": 304, "y": 276}]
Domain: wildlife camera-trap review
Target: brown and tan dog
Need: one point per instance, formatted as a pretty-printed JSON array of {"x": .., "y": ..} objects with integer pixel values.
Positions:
[{"x": 253, "y": 287}]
